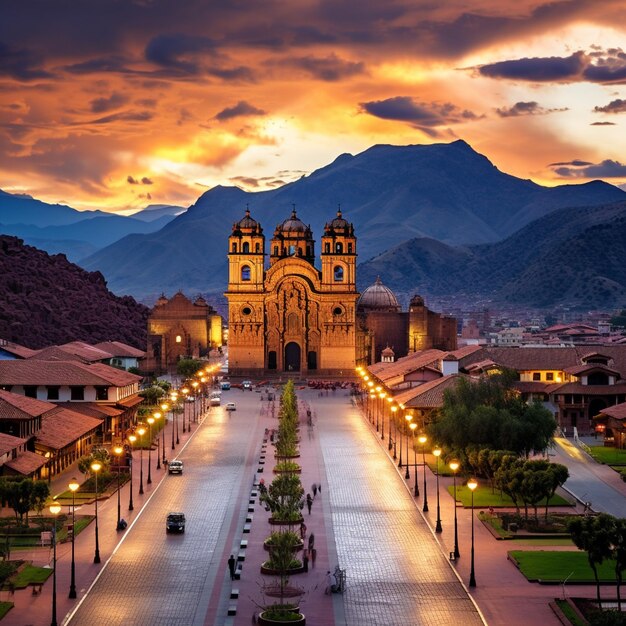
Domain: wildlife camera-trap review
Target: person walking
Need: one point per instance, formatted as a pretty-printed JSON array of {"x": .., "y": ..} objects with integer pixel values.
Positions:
[
  {"x": 314, "y": 489},
  {"x": 331, "y": 583},
  {"x": 302, "y": 531},
  {"x": 311, "y": 541},
  {"x": 305, "y": 560},
  {"x": 309, "y": 502},
  {"x": 231, "y": 567}
]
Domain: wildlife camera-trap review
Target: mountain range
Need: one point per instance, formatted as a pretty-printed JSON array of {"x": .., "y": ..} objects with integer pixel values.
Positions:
[{"x": 392, "y": 194}]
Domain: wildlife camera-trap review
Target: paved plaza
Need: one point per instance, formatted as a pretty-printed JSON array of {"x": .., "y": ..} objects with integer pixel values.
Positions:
[{"x": 365, "y": 519}]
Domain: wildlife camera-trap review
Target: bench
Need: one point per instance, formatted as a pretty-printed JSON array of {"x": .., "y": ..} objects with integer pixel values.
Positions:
[
  {"x": 243, "y": 544},
  {"x": 241, "y": 556},
  {"x": 254, "y": 493},
  {"x": 250, "y": 509},
  {"x": 238, "y": 571},
  {"x": 232, "y": 608},
  {"x": 249, "y": 518},
  {"x": 260, "y": 470},
  {"x": 246, "y": 528},
  {"x": 234, "y": 593}
]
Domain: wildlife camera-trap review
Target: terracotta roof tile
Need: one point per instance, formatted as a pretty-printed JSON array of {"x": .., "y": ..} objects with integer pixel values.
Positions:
[
  {"x": 85, "y": 351},
  {"x": 387, "y": 372},
  {"x": 26, "y": 463},
  {"x": 617, "y": 411},
  {"x": 54, "y": 353},
  {"x": 117, "y": 348},
  {"x": 9, "y": 442},
  {"x": 94, "y": 409},
  {"x": 428, "y": 395},
  {"x": 14, "y": 405},
  {"x": 15, "y": 349},
  {"x": 64, "y": 427}
]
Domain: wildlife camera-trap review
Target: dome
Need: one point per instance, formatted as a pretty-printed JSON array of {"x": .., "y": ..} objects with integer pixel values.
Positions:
[
  {"x": 377, "y": 297},
  {"x": 161, "y": 301},
  {"x": 293, "y": 224},
  {"x": 388, "y": 352},
  {"x": 339, "y": 222},
  {"x": 246, "y": 222}
]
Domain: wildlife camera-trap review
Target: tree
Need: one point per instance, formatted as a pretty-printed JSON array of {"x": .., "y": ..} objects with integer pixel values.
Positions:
[
  {"x": 39, "y": 495},
  {"x": 594, "y": 535},
  {"x": 187, "y": 368},
  {"x": 558, "y": 475},
  {"x": 619, "y": 554},
  {"x": 152, "y": 394},
  {"x": 18, "y": 496}
]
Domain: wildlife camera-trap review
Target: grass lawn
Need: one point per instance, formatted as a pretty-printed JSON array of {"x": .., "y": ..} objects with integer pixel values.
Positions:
[
  {"x": 484, "y": 498},
  {"x": 557, "y": 566},
  {"x": 548, "y": 541},
  {"x": 31, "y": 574},
  {"x": 608, "y": 456},
  {"x": 5, "y": 607},
  {"x": 569, "y": 612}
]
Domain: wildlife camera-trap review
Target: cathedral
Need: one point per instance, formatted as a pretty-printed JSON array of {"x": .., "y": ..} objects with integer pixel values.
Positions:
[{"x": 293, "y": 317}]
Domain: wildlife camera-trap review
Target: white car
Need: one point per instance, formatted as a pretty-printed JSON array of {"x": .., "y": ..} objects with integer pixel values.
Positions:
[
  {"x": 175, "y": 467},
  {"x": 230, "y": 406}
]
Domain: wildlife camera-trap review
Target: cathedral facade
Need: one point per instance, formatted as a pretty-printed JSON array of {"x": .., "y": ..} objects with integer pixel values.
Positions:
[{"x": 292, "y": 317}]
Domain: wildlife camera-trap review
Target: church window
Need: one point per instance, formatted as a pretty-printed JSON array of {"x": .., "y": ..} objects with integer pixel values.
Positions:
[
  {"x": 246, "y": 247},
  {"x": 292, "y": 250},
  {"x": 257, "y": 247},
  {"x": 349, "y": 248},
  {"x": 327, "y": 248},
  {"x": 271, "y": 360},
  {"x": 275, "y": 250},
  {"x": 338, "y": 247},
  {"x": 246, "y": 310},
  {"x": 338, "y": 273},
  {"x": 234, "y": 247},
  {"x": 179, "y": 339},
  {"x": 337, "y": 310},
  {"x": 245, "y": 272}
]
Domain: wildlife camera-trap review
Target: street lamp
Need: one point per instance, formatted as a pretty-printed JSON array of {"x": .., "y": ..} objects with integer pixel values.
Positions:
[
  {"x": 454, "y": 466},
  {"x": 118, "y": 453},
  {"x": 96, "y": 466},
  {"x": 141, "y": 431},
  {"x": 408, "y": 417},
  {"x": 394, "y": 409},
  {"x": 472, "y": 484},
  {"x": 422, "y": 439},
  {"x": 370, "y": 413},
  {"x": 195, "y": 384},
  {"x": 401, "y": 425},
  {"x": 173, "y": 399},
  {"x": 185, "y": 392},
  {"x": 416, "y": 489},
  {"x": 437, "y": 454},
  {"x": 382, "y": 395},
  {"x": 73, "y": 487},
  {"x": 55, "y": 509},
  {"x": 164, "y": 408},
  {"x": 390, "y": 400},
  {"x": 150, "y": 421},
  {"x": 132, "y": 439},
  {"x": 157, "y": 416}
]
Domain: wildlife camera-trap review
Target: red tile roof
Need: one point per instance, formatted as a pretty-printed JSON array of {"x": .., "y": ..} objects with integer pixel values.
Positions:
[
  {"x": 85, "y": 351},
  {"x": 56, "y": 373},
  {"x": 26, "y": 463},
  {"x": 581, "y": 369},
  {"x": 15, "y": 348},
  {"x": 117, "y": 348},
  {"x": 54, "y": 353},
  {"x": 94, "y": 409},
  {"x": 9, "y": 442},
  {"x": 387, "y": 372},
  {"x": 14, "y": 405},
  {"x": 61, "y": 429},
  {"x": 428, "y": 395},
  {"x": 617, "y": 411}
]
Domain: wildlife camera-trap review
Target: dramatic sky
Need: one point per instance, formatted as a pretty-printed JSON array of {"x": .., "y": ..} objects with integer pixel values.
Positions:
[{"x": 116, "y": 104}]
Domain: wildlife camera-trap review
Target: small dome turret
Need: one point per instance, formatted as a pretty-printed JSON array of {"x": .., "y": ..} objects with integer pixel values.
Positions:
[{"x": 377, "y": 297}]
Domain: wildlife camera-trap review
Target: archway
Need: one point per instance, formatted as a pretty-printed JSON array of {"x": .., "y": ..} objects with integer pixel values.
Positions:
[{"x": 292, "y": 357}]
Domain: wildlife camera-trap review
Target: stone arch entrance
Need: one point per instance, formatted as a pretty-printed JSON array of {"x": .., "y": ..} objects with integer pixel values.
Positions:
[{"x": 292, "y": 357}]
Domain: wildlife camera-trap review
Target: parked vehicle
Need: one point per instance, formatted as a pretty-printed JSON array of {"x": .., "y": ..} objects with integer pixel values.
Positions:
[
  {"x": 231, "y": 406},
  {"x": 175, "y": 467},
  {"x": 225, "y": 385},
  {"x": 247, "y": 384},
  {"x": 175, "y": 523},
  {"x": 215, "y": 401}
]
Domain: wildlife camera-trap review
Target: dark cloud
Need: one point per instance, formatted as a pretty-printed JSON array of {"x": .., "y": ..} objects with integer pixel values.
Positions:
[
  {"x": 248, "y": 181},
  {"x": 241, "y": 73},
  {"x": 124, "y": 116},
  {"x": 241, "y": 109},
  {"x": 615, "y": 106},
  {"x": 525, "y": 108},
  {"x": 131, "y": 180},
  {"x": 602, "y": 124},
  {"x": 114, "y": 101},
  {"x": 574, "y": 163},
  {"x": 605, "y": 169},
  {"x": 538, "y": 69},
  {"x": 420, "y": 115},
  {"x": 310, "y": 35},
  {"x": 148, "y": 103},
  {"x": 178, "y": 52},
  {"x": 103, "y": 64},
  {"x": 21, "y": 64},
  {"x": 330, "y": 68}
]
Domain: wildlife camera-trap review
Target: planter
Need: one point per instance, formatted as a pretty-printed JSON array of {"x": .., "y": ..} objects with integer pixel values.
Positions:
[
  {"x": 270, "y": 571},
  {"x": 288, "y": 471},
  {"x": 269, "y": 547},
  {"x": 263, "y": 621},
  {"x": 287, "y": 458},
  {"x": 280, "y": 522}
]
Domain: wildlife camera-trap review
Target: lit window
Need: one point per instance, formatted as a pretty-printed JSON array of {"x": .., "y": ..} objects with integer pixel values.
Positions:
[
  {"x": 338, "y": 248},
  {"x": 179, "y": 339},
  {"x": 550, "y": 376}
]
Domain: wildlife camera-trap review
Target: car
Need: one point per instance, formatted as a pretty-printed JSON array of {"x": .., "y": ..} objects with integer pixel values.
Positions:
[
  {"x": 175, "y": 522},
  {"x": 225, "y": 385},
  {"x": 231, "y": 406},
  {"x": 246, "y": 384},
  {"x": 215, "y": 401},
  {"x": 175, "y": 467}
]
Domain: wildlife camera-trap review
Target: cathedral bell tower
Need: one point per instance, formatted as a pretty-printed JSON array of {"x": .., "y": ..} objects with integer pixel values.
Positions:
[
  {"x": 339, "y": 255},
  {"x": 246, "y": 274}
]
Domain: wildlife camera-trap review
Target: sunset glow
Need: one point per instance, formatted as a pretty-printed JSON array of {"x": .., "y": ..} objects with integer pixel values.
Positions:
[{"x": 117, "y": 105}]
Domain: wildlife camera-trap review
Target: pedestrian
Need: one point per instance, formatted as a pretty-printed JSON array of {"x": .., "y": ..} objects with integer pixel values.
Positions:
[
  {"x": 313, "y": 556},
  {"x": 231, "y": 567},
  {"x": 319, "y": 488},
  {"x": 302, "y": 531},
  {"x": 305, "y": 561},
  {"x": 311, "y": 541},
  {"x": 309, "y": 502},
  {"x": 314, "y": 489},
  {"x": 331, "y": 583}
]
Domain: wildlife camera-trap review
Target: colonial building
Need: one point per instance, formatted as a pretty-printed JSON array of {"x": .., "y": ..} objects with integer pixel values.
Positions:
[
  {"x": 179, "y": 328},
  {"x": 292, "y": 317}
]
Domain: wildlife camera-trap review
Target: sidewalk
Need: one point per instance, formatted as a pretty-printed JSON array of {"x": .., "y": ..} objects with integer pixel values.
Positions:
[{"x": 36, "y": 610}]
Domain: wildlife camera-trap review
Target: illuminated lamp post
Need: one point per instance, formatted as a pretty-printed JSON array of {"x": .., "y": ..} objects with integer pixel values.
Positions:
[
  {"x": 390, "y": 402},
  {"x": 96, "y": 467},
  {"x": 372, "y": 392},
  {"x": 423, "y": 439},
  {"x": 55, "y": 509},
  {"x": 141, "y": 431},
  {"x": 195, "y": 384},
  {"x": 382, "y": 396},
  {"x": 370, "y": 414},
  {"x": 416, "y": 489},
  {"x": 73, "y": 488},
  {"x": 454, "y": 466},
  {"x": 164, "y": 408},
  {"x": 174, "y": 418},
  {"x": 437, "y": 454},
  {"x": 202, "y": 395},
  {"x": 185, "y": 393},
  {"x": 400, "y": 425},
  {"x": 472, "y": 484},
  {"x": 157, "y": 416},
  {"x": 408, "y": 417},
  {"x": 118, "y": 453},
  {"x": 378, "y": 392},
  {"x": 132, "y": 439},
  {"x": 394, "y": 410},
  {"x": 150, "y": 421}
]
